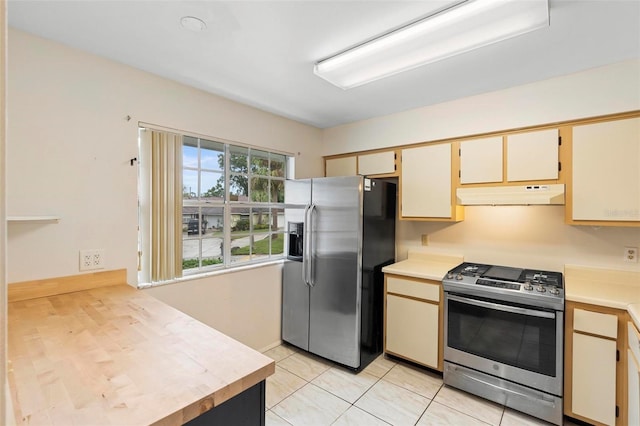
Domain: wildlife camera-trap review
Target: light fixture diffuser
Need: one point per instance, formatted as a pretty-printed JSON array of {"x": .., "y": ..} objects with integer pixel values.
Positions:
[{"x": 463, "y": 27}]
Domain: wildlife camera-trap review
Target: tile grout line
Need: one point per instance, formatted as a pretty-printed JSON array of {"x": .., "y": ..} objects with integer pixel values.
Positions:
[
  {"x": 275, "y": 414},
  {"x": 377, "y": 380},
  {"x": 469, "y": 415}
]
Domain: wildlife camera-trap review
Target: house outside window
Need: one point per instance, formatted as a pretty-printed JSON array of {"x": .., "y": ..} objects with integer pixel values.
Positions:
[{"x": 231, "y": 203}]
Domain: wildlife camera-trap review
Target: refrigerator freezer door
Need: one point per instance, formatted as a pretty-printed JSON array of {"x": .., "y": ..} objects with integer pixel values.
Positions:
[
  {"x": 297, "y": 193},
  {"x": 295, "y": 306},
  {"x": 295, "y": 292},
  {"x": 335, "y": 297}
]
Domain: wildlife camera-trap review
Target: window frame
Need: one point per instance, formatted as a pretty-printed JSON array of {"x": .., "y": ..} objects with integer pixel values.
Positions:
[{"x": 228, "y": 206}]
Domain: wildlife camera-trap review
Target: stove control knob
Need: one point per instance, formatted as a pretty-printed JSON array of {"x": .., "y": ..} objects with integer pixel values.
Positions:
[
  {"x": 540, "y": 289},
  {"x": 459, "y": 277},
  {"x": 528, "y": 286},
  {"x": 554, "y": 291},
  {"x": 450, "y": 275}
]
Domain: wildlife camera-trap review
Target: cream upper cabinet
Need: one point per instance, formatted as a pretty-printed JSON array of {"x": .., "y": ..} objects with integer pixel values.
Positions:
[
  {"x": 532, "y": 156},
  {"x": 426, "y": 182},
  {"x": 481, "y": 160},
  {"x": 342, "y": 166},
  {"x": 606, "y": 171},
  {"x": 377, "y": 163}
]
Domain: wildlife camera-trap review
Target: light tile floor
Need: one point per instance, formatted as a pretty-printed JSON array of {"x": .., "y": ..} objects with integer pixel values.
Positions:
[{"x": 307, "y": 390}]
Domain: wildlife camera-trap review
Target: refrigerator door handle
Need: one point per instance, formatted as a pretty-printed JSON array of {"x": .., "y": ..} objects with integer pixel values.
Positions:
[
  {"x": 305, "y": 242},
  {"x": 310, "y": 263}
]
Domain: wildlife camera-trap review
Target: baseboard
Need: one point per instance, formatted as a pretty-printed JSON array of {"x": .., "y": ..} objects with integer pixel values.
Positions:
[{"x": 271, "y": 346}]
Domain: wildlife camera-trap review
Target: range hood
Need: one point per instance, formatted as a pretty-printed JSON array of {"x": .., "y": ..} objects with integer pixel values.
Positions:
[{"x": 516, "y": 195}]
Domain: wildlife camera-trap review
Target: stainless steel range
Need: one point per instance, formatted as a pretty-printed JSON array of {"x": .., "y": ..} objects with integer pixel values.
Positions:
[{"x": 503, "y": 336}]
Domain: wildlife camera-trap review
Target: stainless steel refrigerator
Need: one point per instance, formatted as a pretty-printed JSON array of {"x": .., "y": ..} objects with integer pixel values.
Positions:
[{"x": 340, "y": 233}]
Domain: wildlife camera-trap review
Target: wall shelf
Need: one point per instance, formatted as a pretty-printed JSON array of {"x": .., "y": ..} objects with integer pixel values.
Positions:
[{"x": 50, "y": 218}]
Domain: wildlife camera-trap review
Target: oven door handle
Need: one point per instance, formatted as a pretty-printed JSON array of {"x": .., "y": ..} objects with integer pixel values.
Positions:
[{"x": 505, "y": 308}]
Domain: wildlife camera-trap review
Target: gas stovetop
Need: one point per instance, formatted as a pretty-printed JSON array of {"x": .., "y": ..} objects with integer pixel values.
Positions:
[{"x": 525, "y": 286}]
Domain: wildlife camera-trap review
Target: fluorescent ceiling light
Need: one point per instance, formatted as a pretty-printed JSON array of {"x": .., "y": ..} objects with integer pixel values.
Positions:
[{"x": 466, "y": 26}]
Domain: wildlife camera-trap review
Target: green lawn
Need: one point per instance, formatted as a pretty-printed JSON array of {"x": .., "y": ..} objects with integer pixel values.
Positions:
[
  {"x": 193, "y": 263},
  {"x": 262, "y": 247}
]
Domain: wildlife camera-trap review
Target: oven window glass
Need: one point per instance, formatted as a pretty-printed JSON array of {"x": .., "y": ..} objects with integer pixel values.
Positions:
[{"x": 522, "y": 341}]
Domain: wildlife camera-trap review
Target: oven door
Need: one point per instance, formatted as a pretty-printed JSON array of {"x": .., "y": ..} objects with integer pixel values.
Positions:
[{"x": 513, "y": 342}]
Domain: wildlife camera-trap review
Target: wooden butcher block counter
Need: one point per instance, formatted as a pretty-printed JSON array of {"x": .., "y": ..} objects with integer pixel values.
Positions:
[{"x": 113, "y": 355}]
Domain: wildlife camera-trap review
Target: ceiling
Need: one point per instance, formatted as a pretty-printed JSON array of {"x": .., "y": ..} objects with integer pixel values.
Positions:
[{"x": 262, "y": 53}]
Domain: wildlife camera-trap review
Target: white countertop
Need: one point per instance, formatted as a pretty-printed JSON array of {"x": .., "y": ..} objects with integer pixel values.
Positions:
[
  {"x": 604, "y": 287},
  {"x": 597, "y": 286},
  {"x": 634, "y": 312},
  {"x": 425, "y": 264}
]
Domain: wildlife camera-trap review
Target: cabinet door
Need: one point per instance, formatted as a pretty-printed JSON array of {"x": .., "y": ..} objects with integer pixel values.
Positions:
[
  {"x": 425, "y": 184},
  {"x": 532, "y": 156},
  {"x": 412, "y": 288},
  {"x": 633, "y": 374},
  {"x": 377, "y": 164},
  {"x": 606, "y": 171},
  {"x": 481, "y": 160},
  {"x": 633, "y": 389},
  {"x": 594, "y": 378},
  {"x": 412, "y": 330},
  {"x": 344, "y": 166}
]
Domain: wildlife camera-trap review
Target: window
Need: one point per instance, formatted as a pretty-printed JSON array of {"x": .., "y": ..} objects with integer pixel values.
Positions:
[{"x": 230, "y": 202}]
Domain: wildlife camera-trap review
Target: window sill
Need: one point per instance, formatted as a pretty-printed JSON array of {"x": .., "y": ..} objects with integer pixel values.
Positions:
[{"x": 142, "y": 286}]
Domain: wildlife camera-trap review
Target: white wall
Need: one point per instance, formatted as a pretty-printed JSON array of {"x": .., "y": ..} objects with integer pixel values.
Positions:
[
  {"x": 605, "y": 90},
  {"x": 69, "y": 146},
  {"x": 68, "y": 150},
  {"x": 527, "y": 236},
  {"x": 245, "y": 305},
  {"x": 519, "y": 236}
]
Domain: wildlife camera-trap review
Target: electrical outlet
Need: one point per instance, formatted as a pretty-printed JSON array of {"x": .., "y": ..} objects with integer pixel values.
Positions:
[
  {"x": 92, "y": 259},
  {"x": 425, "y": 239},
  {"x": 86, "y": 260},
  {"x": 98, "y": 259},
  {"x": 631, "y": 254}
]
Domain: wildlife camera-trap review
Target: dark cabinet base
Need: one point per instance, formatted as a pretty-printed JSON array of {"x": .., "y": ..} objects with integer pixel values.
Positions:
[{"x": 246, "y": 409}]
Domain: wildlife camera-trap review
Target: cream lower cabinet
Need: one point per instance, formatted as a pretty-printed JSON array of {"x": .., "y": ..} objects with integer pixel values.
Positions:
[
  {"x": 633, "y": 374},
  {"x": 413, "y": 320},
  {"x": 594, "y": 378},
  {"x": 593, "y": 375}
]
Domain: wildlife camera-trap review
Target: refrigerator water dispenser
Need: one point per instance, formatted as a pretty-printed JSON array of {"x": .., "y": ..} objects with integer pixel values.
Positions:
[{"x": 295, "y": 231}]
